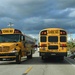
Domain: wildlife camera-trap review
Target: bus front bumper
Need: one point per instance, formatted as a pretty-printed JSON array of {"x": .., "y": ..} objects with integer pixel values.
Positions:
[{"x": 8, "y": 55}]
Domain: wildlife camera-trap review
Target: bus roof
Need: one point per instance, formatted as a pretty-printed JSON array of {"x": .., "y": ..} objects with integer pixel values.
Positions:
[
  {"x": 10, "y": 31},
  {"x": 53, "y": 29}
]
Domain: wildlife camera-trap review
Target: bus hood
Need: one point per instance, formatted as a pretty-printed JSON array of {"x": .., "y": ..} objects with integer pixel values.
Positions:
[
  {"x": 7, "y": 47},
  {"x": 6, "y": 44}
]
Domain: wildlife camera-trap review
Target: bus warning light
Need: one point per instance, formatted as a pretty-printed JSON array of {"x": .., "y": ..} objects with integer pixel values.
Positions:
[{"x": 44, "y": 33}]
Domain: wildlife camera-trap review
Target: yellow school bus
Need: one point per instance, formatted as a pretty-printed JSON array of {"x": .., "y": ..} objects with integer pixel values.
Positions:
[
  {"x": 53, "y": 43},
  {"x": 14, "y": 45}
]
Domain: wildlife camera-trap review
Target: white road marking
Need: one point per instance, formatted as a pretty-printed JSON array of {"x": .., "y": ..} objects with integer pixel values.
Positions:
[{"x": 70, "y": 63}]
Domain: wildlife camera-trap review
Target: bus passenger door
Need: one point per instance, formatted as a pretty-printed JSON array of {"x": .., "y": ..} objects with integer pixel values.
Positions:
[{"x": 23, "y": 45}]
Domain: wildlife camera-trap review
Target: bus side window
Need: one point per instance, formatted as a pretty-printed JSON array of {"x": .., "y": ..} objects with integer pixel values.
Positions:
[{"x": 23, "y": 38}]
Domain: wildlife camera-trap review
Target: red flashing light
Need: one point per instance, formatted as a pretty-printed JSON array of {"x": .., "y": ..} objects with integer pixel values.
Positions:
[
  {"x": 44, "y": 32},
  {"x": 43, "y": 45},
  {"x": 17, "y": 31},
  {"x": 63, "y": 45},
  {"x": 62, "y": 32}
]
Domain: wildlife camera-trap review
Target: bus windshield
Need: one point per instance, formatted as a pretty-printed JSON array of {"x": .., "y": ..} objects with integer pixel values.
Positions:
[{"x": 10, "y": 38}]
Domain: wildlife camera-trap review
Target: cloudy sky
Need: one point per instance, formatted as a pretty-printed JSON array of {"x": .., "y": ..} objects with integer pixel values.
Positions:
[{"x": 30, "y": 16}]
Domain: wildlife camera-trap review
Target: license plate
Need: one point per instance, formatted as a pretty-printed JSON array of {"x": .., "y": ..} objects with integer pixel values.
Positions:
[{"x": 53, "y": 54}]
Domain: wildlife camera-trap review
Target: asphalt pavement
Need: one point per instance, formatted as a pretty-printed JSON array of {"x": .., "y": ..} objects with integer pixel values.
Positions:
[{"x": 36, "y": 66}]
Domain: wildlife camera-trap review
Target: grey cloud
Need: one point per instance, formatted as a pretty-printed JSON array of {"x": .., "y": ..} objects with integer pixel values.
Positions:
[
  {"x": 45, "y": 23},
  {"x": 31, "y": 16},
  {"x": 62, "y": 4},
  {"x": 20, "y": 9}
]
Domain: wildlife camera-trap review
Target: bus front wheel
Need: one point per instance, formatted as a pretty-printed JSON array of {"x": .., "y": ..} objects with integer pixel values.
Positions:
[{"x": 18, "y": 58}]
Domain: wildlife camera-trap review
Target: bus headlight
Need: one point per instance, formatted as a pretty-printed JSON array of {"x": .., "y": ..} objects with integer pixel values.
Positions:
[{"x": 14, "y": 51}]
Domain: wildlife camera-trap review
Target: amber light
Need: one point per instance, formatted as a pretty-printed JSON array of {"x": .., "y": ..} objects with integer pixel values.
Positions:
[
  {"x": 17, "y": 31},
  {"x": 43, "y": 45},
  {"x": 61, "y": 33},
  {"x": 44, "y": 33}
]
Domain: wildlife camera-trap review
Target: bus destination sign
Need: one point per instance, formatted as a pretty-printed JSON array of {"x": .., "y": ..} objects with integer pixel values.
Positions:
[
  {"x": 7, "y": 31},
  {"x": 53, "y": 31}
]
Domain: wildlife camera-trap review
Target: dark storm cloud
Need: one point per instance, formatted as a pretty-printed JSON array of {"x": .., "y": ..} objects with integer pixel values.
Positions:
[
  {"x": 31, "y": 16},
  {"x": 62, "y": 4}
]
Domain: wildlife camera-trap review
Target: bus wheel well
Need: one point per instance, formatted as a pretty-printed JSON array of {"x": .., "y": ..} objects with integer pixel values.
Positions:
[{"x": 18, "y": 57}]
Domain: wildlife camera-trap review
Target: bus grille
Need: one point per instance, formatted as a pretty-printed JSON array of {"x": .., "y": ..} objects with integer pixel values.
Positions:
[
  {"x": 52, "y": 47},
  {"x": 4, "y": 49}
]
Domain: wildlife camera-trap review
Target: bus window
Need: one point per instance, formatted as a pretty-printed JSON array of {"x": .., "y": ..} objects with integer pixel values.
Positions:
[
  {"x": 9, "y": 38},
  {"x": 62, "y": 38},
  {"x": 23, "y": 38},
  {"x": 53, "y": 39},
  {"x": 43, "y": 38}
]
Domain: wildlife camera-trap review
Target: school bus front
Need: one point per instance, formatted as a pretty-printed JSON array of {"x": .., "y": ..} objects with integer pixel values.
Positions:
[
  {"x": 14, "y": 44},
  {"x": 10, "y": 44}
]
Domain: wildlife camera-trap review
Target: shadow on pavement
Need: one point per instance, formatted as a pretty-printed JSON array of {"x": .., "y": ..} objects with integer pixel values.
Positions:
[{"x": 36, "y": 61}]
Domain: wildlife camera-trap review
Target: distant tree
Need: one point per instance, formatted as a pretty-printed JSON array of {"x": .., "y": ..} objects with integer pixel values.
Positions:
[{"x": 70, "y": 45}]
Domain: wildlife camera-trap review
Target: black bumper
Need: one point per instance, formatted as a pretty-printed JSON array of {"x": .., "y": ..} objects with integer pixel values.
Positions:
[
  {"x": 8, "y": 54},
  {"x": 53, "y": 54}
]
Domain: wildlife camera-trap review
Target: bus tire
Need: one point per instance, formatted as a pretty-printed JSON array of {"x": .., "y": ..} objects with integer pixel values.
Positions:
[
  {"x": 18, "y": 58},
  {"x": 43, "y": 57},
  {"x": 30, "y": 56}
]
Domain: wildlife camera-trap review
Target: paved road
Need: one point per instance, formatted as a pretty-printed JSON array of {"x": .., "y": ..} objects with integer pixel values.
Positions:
[{"x": 36, "y": 66}]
